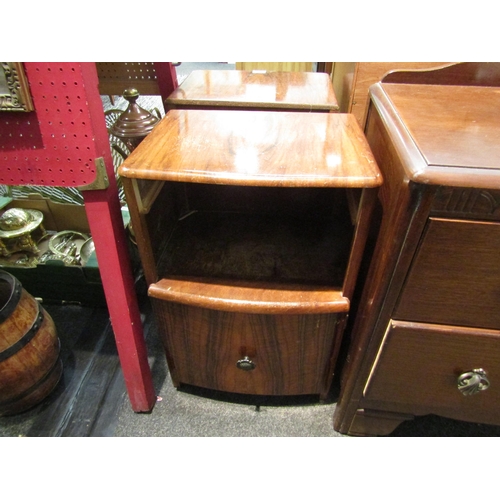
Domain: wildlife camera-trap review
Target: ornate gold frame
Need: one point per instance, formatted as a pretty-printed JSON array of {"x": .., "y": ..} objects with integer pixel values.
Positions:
[{"x": 14, "y": 88}]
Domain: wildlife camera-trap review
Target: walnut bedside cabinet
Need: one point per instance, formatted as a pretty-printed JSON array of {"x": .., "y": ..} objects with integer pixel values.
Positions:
[{"x": 251, "y": 226}]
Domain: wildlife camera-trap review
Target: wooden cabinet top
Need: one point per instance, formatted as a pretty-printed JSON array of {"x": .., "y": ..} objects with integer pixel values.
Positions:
[
  {"x": 259, "y": 148},
  {"x": 275, "y": 89},
  {"x": 447, "y": 134}
]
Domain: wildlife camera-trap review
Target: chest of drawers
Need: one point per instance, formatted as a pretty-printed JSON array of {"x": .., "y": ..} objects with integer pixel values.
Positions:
[{"x": 426, "y": 337}]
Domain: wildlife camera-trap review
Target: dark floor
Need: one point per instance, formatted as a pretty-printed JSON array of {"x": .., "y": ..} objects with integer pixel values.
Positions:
[{"x": 91, "y": 398}]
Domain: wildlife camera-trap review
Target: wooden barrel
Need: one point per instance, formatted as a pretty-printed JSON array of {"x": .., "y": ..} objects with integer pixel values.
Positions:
[{"x": 30, "y": 366}]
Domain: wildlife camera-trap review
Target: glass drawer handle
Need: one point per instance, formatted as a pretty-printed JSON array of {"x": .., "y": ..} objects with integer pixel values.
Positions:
[
  {"x": 472, "y": 382},
  {"x": 245, "y": 364}
]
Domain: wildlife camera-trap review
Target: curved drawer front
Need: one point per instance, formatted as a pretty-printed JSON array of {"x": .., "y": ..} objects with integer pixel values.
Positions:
[
  {"x": 455, "y": 276},
  {"x": 420, "y": 367},
  {"x": 277, "y": 354}
]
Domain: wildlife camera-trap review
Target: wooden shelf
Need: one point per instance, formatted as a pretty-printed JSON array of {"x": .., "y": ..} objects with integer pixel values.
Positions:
[{"x": 260, "y": 262}]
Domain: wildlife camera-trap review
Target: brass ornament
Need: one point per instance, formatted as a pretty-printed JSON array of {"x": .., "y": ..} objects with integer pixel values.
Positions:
[{"x": 20, "y": 230}]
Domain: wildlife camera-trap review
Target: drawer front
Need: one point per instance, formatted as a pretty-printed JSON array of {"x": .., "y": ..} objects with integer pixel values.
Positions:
[
  {"x": 418, "y": 368},
  {"x": 455, "y": 276},
  {"x": 290, "y": 353}
]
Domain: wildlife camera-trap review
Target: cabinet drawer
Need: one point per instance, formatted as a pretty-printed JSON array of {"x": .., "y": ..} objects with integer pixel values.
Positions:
[
  {"x": 455, "y": 276},
  {"x": 418, "y": 367},
  {"x": 290, "y": 352}
]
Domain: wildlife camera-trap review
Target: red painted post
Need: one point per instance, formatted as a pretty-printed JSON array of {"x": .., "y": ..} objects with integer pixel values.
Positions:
[{"x": 112, "y": 254}]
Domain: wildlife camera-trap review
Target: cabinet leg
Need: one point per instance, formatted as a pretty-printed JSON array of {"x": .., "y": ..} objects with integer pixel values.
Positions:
[{"x": 376, "y": 423}]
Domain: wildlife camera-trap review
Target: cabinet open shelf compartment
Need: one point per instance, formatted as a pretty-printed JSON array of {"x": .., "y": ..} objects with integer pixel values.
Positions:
[{"x": 266, "y": 248}]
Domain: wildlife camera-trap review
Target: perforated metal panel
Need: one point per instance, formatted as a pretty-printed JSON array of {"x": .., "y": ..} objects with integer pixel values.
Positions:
[
  {"x": 54, "y": 144},
  {"x": 115, "y": 77}
]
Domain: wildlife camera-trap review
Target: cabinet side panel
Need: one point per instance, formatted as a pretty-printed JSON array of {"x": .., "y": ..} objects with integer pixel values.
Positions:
[
  {"x": 163, "y": 216},
  {"x": 403, "y": 206}
]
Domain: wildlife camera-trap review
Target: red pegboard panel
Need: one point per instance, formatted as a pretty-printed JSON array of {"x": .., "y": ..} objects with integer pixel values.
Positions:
[{"x": 53, "y": 145}]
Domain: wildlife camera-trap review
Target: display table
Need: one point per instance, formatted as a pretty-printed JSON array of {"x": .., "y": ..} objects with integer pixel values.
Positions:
[
  {"x": 276, "y": 90},
  {"x": 426, "y": 339},
  {"x": 251, "y": 226}
]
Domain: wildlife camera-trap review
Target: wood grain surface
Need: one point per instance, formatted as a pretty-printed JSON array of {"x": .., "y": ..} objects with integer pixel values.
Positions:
[
  {"x": 251, "y": 297},
  {"x": 464, "y": 153},
  {"x": 258, "y": 148},
  {"x": 29, "y": 366},
  {"x": 418, "y": 368},
  {"x": 463, "y": 140},
  {"x": 290, "y": 352},
  {"x": 455, "y": 276}
]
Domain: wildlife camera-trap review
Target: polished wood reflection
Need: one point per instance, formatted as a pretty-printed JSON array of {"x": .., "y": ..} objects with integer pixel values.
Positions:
[
  {"x": 463, "y": 140},
  {"x": 257, "y": 148},
  {"x": 250, "y": 297},
  {"x": 255, "y": 89}
]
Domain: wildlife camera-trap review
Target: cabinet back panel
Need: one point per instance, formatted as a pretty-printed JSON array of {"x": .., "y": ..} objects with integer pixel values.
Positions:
[
  {"x": 268, "y": 200},
  {"x": 259, "y": 247}
]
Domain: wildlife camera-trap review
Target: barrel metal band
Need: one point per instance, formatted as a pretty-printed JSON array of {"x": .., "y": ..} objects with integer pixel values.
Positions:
[
  {"x": 14, "y": 299},
  {"x": 25, "y": 339}
]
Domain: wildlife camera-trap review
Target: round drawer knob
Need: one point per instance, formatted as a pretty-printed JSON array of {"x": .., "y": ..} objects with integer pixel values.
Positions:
[
  {"x": 245, "y": 364},
  {"x": 472, "y": 382}
]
